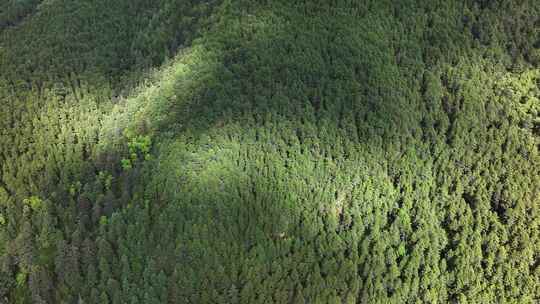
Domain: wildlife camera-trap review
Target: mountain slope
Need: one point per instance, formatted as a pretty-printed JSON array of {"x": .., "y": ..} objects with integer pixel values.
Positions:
[{"x": 316, "y": 152}]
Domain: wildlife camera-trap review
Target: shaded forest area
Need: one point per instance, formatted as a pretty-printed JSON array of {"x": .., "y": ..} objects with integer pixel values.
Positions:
[{"x": 234, "y": 151}]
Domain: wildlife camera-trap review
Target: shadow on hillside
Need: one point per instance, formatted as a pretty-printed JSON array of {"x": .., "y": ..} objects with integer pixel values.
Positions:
[{"x": 269, "y": 66}]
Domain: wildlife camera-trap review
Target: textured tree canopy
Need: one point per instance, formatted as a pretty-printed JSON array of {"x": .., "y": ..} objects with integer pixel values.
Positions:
[{"x": 241, "y": 151}]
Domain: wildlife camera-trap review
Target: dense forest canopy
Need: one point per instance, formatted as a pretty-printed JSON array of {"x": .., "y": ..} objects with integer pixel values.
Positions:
[{"x": 235, "y": 151}]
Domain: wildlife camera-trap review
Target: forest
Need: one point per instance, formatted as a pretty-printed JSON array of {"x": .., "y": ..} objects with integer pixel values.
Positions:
[{"x": 257, "y": 151}]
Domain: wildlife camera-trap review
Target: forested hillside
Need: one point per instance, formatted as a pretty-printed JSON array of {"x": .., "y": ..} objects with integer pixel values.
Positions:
[{"x": 235, "y": 151}]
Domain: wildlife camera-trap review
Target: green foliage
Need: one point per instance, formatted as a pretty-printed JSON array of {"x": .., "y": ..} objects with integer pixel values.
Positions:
[
  {"x": 126, "y": 164},
  {"x": 21, "y": 278},
  {"x": 269, "y": 152},
  {"x": 139, "y": 149},
  {"x": 34, "y": 202}
]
